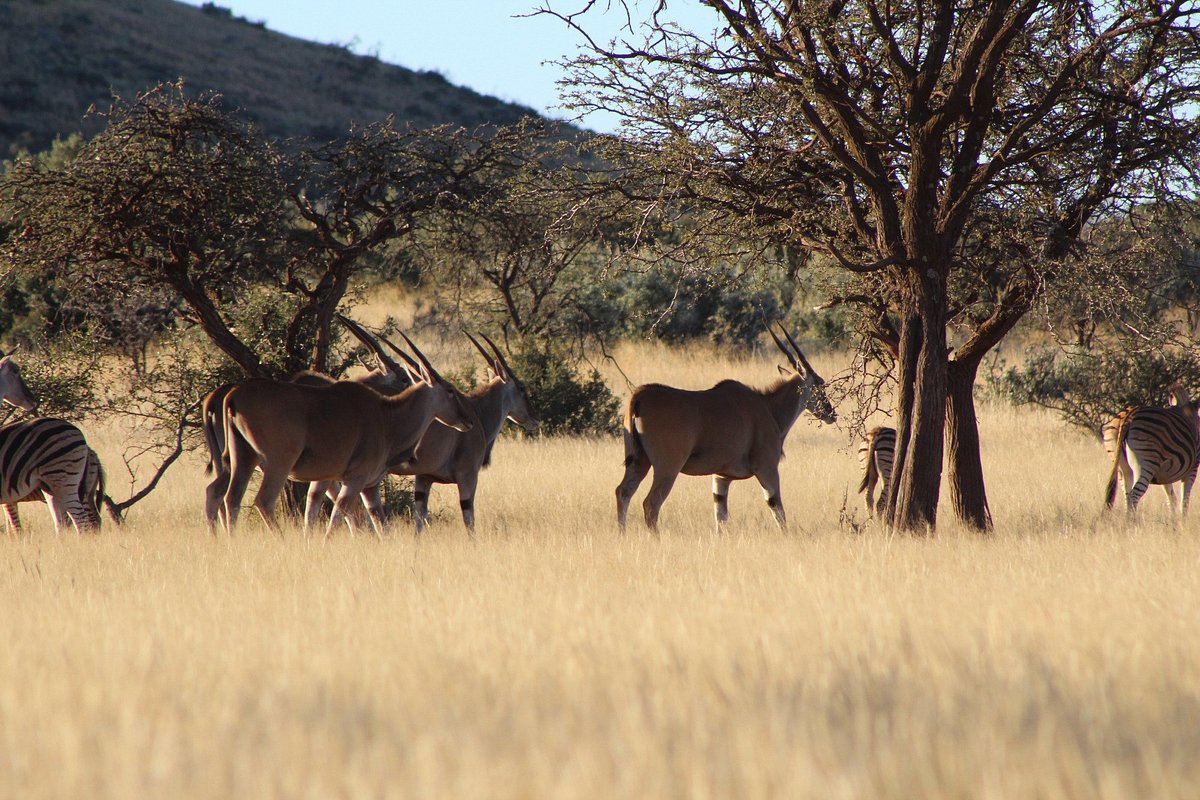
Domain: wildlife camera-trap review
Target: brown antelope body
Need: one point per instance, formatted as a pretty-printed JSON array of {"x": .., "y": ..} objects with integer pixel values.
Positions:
[
  {"x": 343, "y": 431},
  {"x": 387, "y": 377},
  {"x": 730, "y": 431},
  {"x": 445, "y": 455}
]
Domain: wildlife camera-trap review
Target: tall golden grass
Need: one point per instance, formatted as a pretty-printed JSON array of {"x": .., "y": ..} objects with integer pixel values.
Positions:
[{"x": 550, "y": 656}]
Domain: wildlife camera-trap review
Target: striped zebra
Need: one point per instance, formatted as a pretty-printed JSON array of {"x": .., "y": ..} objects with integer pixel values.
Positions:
[
  {"x": 1149, "y": 444},
  {"x": 876, "y": 453},
  {"x": 51, "y": 456},
  {"x": 91, "y": 494}
]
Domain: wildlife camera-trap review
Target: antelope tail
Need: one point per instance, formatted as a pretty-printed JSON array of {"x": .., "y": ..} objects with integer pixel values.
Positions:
[
  {"x": 209, "y": 423},
  {"x": 1110, "y": 493},
  {"x": 634, "y": 450}
]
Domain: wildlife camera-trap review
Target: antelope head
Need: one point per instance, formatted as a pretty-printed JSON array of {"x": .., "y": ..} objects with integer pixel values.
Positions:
[
  {"x": 520, "y": 410},
  {"x": 450, "y": 407},
  {"x": 817, "y": 403},
  {"x": 12, "y": 387}
]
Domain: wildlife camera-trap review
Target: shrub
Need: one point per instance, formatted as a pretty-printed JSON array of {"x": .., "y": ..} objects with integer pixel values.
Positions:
[
  {"x": 1088, "y": 387},
  {"x": 565, "y": 401}
]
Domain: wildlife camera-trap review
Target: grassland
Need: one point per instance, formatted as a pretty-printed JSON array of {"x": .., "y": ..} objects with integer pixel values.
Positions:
[{"x": 551, "y": 657}]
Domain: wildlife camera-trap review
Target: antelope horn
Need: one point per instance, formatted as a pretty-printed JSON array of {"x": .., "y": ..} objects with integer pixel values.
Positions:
[
  {"x": 499, "y": 356},
  {"x": 491, "y": 362},
  {"x": 410, "y": 366},
  {"x": 385, "y": 361},
  {"x": 807, "y": 367},
  {"x": 783, "y": 349},
  {"x": 432, "y": 373}
]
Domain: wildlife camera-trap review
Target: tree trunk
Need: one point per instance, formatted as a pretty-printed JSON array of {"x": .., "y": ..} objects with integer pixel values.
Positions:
[
  {"x": 967, "y": 490},
  {"x": 921, "y": 404},
  {"x": 215, "y": 328}
]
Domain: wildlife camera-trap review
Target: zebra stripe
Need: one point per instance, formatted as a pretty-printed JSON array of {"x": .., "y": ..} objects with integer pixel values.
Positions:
[
  {"x": 91, "y": 494},
  {"x": 1152, "y": 445},
  {"x": 51, "y": 456},
  {"x": 876, "y": 454}
]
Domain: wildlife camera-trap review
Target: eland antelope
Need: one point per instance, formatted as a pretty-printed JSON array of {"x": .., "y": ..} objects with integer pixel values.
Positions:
[
  {"x": 730, "y": 431},
  {"x": 1149, "y": 444},
  {"x": 445, "y": 455},
  {"x": 387, "y": 377},
  {"x": 343, "y": 431}
]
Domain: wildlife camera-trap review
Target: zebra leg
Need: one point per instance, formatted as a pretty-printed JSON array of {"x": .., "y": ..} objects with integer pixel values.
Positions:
[
  {"x": 1188, "y": 480},
  {"x": 10, "y": 515},
  {"x": 1141, "y": 471},
  {"x": 60, "y": 501},
  {"x": 770, "y": 486},
  {"x": 421, "y": 487},
  {"x": 869, "y": 499},
  {"x": 635, "y": 473},
  {"x": 720, "y": 500},
  {"x": 1169, "y": 489}
]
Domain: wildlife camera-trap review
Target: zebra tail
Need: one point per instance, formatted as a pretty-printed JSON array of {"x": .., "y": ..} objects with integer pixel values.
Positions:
[
  {"x": 1110, "y": 493},
  {"x": 868, "y": 472},
  {"x": 102, "y": 498}
]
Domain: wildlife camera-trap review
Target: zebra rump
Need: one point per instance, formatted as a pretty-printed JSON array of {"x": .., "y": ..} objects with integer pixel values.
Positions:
[
  {"x": 1164, "y": 442},
  {"x": 49, "y": 455}
]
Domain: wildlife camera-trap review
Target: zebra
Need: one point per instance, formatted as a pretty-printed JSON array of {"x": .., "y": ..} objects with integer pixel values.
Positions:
[
  {"x": 91, "y": 494},
  {"x": 876, "y": 454},
  {"x": 49, "y": 455},
  {"x": 1150, "y": 444}
]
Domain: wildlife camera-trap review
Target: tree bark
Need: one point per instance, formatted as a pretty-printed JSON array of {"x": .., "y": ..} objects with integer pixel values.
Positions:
[
  {"x": 922, "y": 404},
  {"x": 967, "y": 490}
]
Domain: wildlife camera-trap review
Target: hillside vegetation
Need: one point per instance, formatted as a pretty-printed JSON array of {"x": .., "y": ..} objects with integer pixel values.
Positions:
[
  {"x": 552, "y": 657},
  {"x": 61, "y": 56}
]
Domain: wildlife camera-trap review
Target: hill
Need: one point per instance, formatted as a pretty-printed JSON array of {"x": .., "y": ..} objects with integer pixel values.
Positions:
[{"x": 62, "y": 56}]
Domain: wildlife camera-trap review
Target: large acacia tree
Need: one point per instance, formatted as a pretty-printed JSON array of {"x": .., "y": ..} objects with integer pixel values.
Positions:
[
  {"x": 179, "y": 196},
  {"x": 945, "y": 157},
  {"x": 183, "y": 208}
]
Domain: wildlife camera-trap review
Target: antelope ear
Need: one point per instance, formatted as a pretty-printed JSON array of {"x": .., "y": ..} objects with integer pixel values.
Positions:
[
  {"x": 784, "y": 371},
  {"x": 492, "y": 375}
]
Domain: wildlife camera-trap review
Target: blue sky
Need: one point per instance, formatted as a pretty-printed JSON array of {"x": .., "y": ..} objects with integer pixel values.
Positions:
[{"x": 483, "y": 44}]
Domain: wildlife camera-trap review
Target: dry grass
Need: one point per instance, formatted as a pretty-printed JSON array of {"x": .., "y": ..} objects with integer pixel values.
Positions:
[{"x": 551, "y": 657}]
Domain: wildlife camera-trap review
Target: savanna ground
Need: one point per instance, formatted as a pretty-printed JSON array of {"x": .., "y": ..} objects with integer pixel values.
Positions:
[{"x": 552, "y": 657}]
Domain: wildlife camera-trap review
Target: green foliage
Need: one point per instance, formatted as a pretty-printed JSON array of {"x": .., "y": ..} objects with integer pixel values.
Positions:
[
  {"x": 1088, "y": 388},
  {"x": 565, "y": 401},
  {"x": 711, "y": 305},
  {"x": 62, "y": 374}
]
